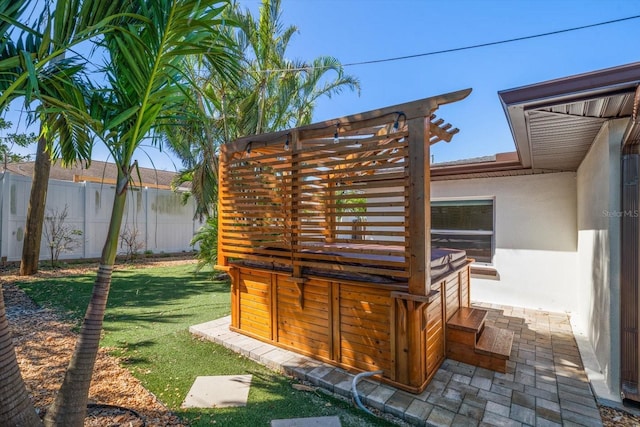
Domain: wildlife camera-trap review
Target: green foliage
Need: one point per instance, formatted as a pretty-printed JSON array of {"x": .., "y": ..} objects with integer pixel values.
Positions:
[
  {"x": 347, "y": 199},
  {"x": 148, "y": 86},
  {"x": 11, "y": 140},
  {"x": 149, "y": 313},
  {"x": 146, "y": 43},
  {"x": 207, "y": 240},
  {"x": 39, "y": 66},
  {"x": 272, "y": 93},
  {"x": 276, "y": 92}
]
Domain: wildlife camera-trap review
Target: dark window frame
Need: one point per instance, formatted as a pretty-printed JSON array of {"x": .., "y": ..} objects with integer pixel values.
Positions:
[{"x": 462, "y": 230}]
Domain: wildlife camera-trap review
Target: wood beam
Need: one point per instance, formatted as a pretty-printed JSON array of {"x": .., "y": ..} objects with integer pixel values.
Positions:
[
  {"x": 419, "y": 218},
  {"x": 415, "y": 109}
]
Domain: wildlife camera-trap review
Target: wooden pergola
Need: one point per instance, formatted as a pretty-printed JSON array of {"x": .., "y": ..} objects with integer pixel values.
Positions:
[{"x": 325, "y": 231}]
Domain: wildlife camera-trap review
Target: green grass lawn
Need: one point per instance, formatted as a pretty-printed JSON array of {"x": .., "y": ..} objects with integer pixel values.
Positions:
[{"x": 148, "y": 316}]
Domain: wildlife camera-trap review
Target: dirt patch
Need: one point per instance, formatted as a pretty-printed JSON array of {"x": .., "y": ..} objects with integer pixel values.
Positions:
[
  {"x": 617, "y": 418},
  {"x": 44, "y": 344}
]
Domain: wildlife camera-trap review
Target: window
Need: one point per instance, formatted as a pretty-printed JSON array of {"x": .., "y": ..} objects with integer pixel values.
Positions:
[{"x": 464, "y": 224}]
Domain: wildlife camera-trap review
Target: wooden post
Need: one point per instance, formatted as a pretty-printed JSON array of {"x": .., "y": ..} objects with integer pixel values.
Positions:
[
  {"x": 419, "y": 219},
  {"x": 411, "y": 337},
  {"x": 296, "y": 193},
  {"x": 273, "y": 306},
  {"x": 334, "y": 322},
  {"x": 416, "y": 349},
  {"x": 234, "y": 273},
  {"x": 401, "y": 344},
  {"x": 222, "y": 175},
  {"x": 330, "y": 213}
]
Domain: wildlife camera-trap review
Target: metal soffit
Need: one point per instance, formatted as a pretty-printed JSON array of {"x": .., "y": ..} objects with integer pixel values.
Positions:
[
  {"x": 554, "y": 123},
  {"x": 560, "y": 135}
]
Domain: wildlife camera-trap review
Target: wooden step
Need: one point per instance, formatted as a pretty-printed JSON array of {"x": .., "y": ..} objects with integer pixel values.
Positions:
[
  {"x": 495, "y": 342},
  {"x": 470, "y": 341},
  {"x": 468, "y": 319}
]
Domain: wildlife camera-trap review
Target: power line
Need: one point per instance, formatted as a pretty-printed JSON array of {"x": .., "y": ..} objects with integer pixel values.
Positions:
[{"x": 457, "y": 49}]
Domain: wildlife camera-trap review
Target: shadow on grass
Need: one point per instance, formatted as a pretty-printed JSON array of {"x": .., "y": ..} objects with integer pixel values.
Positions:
[
  {"x": 146, "y": 289},
  {"x": 149, "y": 293},
  {"x": 130, "y": 319}
]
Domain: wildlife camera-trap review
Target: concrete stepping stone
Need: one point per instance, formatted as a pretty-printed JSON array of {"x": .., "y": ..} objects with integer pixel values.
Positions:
[
  {"x": 222, "y": 391},
  {"x": 308, "y": 422}
]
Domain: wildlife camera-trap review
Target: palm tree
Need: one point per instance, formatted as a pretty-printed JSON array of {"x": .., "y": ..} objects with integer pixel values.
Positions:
[
  {"x": 61, "y": 95},
  {"x": 65, "y": 133},
  {"x": 146, "y": 90},
  {"x": 279, "y": 93},
  {"x": 16, "y": 408},
  {"x": 274, "y": 93},
  {"x": 194, "y": 138},
  {"x": 34, "y": 67},
  {"x": 15, "y": 405},
  {"x": 146, "y": 46}
]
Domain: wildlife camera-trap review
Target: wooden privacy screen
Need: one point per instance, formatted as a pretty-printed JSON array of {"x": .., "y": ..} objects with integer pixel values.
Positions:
[
  {"x": 321, "y": 201},
  {"x": 349, "y": 195},
  {"x": 325, "y": 233}
]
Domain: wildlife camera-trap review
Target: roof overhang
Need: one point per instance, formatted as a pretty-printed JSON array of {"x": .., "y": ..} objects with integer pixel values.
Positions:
[
  {"x": 501, "y": 162},
  {"x": 554, "y": 123}
]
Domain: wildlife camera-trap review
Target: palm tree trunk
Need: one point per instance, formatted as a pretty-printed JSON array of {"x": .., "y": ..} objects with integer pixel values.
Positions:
[
  {"x": 16, "y": 408},
  {"x": 35, "y": 211},
  {"x": 70, "y": 406}
]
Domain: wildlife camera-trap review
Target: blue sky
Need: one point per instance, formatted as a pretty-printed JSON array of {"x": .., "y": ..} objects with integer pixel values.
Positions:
[{"x": 362, "y": 30}]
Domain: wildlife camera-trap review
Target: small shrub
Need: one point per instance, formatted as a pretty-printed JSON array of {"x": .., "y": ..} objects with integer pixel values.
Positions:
[
  {"x": 130, "y": 241},
  {"x": 60, "y": 236},
  {"x": 207, "y": 239}
]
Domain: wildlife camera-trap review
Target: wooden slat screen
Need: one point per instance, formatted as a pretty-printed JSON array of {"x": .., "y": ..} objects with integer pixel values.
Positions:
[
  {"x": 255, "y": 204},
  {"x": 321, "y": 203}
]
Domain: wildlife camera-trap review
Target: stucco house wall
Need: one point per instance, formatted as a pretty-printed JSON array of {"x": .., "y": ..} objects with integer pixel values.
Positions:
[
  {"x": 535, "y": 238},
  {"x": 599, "y": 203}
]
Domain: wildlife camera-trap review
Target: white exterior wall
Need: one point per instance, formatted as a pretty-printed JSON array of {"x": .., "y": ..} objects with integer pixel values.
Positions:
[
  {"x": 535, "y": 238},
  {"x": 599, "y": 202},
  {"x": 163, "y": 223}
]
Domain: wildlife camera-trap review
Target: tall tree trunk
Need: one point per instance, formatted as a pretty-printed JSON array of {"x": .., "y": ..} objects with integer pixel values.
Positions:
[
  {"x": 70, "y": 406},
  {"x": 35, "y": 212},
  {"x": 16, "y": 408}
]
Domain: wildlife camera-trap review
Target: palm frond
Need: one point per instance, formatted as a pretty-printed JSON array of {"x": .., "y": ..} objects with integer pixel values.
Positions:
[
  {"x": 272, "y": 93},
  {"x": 146, "y": 67}
]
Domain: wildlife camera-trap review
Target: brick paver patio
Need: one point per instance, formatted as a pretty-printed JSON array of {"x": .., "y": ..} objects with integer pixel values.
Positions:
[{"x": 545, "y": 384}]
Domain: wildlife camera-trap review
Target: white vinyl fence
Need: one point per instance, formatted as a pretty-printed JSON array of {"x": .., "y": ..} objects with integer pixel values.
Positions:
[{"x": 162, "y": 222}]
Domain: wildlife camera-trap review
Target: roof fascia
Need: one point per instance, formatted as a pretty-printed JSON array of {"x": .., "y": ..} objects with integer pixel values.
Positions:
[
  {"x": 508, "y": 163},
  {"x": 518, "y": 100}
]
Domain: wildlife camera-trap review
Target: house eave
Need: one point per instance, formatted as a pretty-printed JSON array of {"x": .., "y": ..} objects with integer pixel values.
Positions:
[
  {"x": 504, "y": 162},
  {"x": 593, "y": 92}
]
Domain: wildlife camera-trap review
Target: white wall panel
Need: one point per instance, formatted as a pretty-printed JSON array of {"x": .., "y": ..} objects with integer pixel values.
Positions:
[{"x": 163, "y": 222}]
